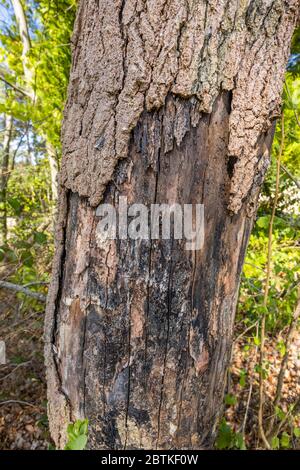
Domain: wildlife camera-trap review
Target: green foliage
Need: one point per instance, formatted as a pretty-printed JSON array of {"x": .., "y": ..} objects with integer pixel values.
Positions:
[
  {"x": 243, "y": 376},
  {"x": 285, "y": 268},
  {"x": 77, "y": 435},
  {"x": 283, "y": 440},
  {"x": 230, "y": 399},
  {"x": 30, "y": 244},
  {"x": 297, "y": 432},
  {"x": 28, "y": 204},
  {"x": 286, "y": 230},
  {"x": 229, "y": 439},
  {"x": 50, "y": 28}
]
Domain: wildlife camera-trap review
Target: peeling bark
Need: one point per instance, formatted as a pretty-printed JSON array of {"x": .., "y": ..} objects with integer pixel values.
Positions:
[
  {"x": 146, "y": 50},
  {"x": 169, "y": 101}
]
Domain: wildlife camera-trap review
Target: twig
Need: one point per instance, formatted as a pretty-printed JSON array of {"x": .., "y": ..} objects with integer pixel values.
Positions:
[
  {"x": 250, "y": 389},
  {"x": 12, "y": 85},
  {"x": 17, "y": 402},
  {"x": 287, "y": 291},
  {"x": 14, "y": 370},
  {"x": 245, "y": 331},
  {"x": 292, "y": 177},
  {"x": 266, "y": 294},
  {"x": 22, "y": 290},
  {"x": 36, "y": 283},
  {"x": 293, "y": 411},
  {"x": 254, "y": 266}
]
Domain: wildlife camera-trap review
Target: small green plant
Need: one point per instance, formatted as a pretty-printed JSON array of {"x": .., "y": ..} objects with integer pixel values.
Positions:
[
  {"x": 281, "y": 443},
  {"x": 230, "y": 399},
  {"x": 77, "y": 435},
  {"x": 289, "y": 438},
  {"x": 228, "y": 438}
]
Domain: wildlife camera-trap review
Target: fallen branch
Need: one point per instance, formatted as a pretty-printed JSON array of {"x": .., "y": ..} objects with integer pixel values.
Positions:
[
  {"x": 17, "y": 402},
  {"x": 14, "y": 370},
  {"x": 22, "y": 290}
]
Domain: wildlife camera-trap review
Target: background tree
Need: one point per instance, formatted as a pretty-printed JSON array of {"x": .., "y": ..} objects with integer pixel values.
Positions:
[
  {"x": 35, "y": 56},
  {"x": 7, "y": 137}
]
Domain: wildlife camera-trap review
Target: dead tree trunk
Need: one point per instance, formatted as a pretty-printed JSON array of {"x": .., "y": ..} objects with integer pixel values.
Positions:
[{"x": 169, "y": 101}]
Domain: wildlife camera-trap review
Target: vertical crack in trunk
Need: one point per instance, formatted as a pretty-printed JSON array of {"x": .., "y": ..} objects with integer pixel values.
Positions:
[
  {"x": 169, "y": 310},
  {"x": 129, "y": 373}
]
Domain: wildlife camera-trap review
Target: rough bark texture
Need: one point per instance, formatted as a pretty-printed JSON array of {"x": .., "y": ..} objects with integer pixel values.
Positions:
[{"x": 169, "y": 101}]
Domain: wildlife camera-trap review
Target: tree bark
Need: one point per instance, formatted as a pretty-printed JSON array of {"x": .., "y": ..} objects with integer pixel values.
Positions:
[{"x": 169, "y": 101}]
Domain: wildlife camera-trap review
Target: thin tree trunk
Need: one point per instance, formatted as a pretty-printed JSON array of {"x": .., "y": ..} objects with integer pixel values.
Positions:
[
  {"x": 8, "y": 128},
  {"x": 169, "y": 102},
  {"x": 52, "y": 157},
  {"x": 25, "y": 39}
]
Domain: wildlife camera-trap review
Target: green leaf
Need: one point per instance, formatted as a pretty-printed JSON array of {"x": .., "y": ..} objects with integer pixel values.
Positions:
[
  {"x": 230, "y": 400},
  {"x": 224, "y": 439},
  {"x": 297, "y": 432},
  {"x": 77, "y": 435},
  {"x": 84, "y": 427},
  {"x": 239, "y": 442},
  {"x": 281, "y": 348},
  {"x": 243, "y": 379},
  {"x": 27, "y": 258},
  {"x": 15, "y": 205},
  {"x": 275, "y": 444},
  {"x": 263, "y": 222},
  {"x": 280, "y": 413},
  {"x": 285, "y": 440},
  {"x": 78, "y": 443},
  {"x": 40, "y": 238}
]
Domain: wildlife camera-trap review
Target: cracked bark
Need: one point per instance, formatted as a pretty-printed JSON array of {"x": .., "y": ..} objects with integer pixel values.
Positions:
[{"x": 169, "y": 101}]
